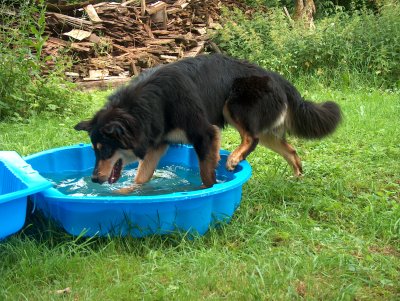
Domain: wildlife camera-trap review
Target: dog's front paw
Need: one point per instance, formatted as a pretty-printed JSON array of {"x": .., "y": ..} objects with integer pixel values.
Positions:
[
  {"x": 232, "y": 162},
  {"x": 126, "y": 190}
]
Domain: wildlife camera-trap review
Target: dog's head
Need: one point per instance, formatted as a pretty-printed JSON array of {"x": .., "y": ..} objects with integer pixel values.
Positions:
[{"x": 117, "y": 139}]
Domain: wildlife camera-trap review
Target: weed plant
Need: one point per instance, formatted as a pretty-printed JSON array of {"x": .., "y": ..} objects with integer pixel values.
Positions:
[
  {"x": 24, "y": 92},
  {"x": 344, "y": 49}
]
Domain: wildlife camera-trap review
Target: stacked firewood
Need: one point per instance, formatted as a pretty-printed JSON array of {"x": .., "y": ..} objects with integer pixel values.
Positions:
[{"x": 111, "y": 40}]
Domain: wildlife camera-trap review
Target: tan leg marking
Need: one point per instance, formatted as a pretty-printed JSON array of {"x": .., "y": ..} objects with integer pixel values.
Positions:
[
  {"x": 148, "y": 165},
  {"x": 247, "y": 145},
  {"x": 146, "y": 169},
  {"x": 284, "y": 149},
  {"x": 242, "y": 151},
  {"x": 210, "y": 163}
]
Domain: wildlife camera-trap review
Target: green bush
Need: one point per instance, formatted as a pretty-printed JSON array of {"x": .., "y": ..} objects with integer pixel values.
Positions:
[
  {"x": 24, "y": 93},
  {"x": 23, "y": 90},
  {"x": 324, "y": 7},
  {"x": 365, "y": 46}
]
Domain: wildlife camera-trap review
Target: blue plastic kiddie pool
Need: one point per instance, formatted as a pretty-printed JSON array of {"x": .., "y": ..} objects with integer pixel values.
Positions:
[
  {"x": 119, "y": 215},
  {"x": 17, "y": 181}
]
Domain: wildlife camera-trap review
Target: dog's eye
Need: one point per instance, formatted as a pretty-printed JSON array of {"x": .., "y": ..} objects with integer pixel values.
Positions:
[{"x": 106, "y": 152}]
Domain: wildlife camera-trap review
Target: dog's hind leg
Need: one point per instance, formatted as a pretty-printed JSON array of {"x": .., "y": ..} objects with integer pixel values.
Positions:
[
  {"x": 207, "y": 145},
  {"x": 280, "y": 146},
  {"x": 247, "y": 145}
]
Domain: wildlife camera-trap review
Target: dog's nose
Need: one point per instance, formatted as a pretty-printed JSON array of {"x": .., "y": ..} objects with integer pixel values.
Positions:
[{"x": 95, "y": 179}]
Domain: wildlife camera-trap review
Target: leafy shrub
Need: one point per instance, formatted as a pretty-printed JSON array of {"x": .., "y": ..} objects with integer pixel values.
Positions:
[
  {"x": 323, "y": 6},
  {"x": 363, "y": 45},
  {"x": 23, "y": 90}
]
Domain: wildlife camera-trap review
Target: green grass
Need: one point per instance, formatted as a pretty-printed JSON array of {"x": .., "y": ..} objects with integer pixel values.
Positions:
[{"x": 334, "y": 234}]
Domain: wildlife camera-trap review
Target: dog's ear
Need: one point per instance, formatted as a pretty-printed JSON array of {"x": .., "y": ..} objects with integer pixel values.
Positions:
[
  {"x": 128, "y": 133},
  {"x": 85, "y": 125},
  {"x": 114, "y": 129}
]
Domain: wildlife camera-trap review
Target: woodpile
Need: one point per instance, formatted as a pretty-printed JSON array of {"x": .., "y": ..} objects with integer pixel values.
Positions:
[{"x": 114, "y": 41}]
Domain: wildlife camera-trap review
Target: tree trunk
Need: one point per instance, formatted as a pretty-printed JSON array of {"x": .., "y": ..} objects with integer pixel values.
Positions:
[{"x": 304, "y": 11}]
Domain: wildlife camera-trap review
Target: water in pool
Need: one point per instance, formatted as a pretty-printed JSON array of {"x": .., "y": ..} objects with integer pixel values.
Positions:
[{"x": 166, "y": 179}]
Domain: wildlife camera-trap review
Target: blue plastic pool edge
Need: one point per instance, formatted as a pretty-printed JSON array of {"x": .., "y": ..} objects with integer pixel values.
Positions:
[
  {"x": 135, "y": 215},
  {"x": 240, "y": 177},
  {"x": 13, "y": 204},
  {"x": 22, "y": 170}
]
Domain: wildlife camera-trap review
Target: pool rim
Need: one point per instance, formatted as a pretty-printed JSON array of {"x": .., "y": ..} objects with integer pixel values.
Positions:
[{"x": 241, "y": 174}]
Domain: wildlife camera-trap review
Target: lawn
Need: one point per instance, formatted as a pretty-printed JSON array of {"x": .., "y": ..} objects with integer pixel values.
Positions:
[{"x": 333, "y": 234}]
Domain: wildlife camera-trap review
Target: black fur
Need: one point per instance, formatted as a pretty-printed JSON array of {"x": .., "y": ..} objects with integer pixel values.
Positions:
[
  {"x": 323, "y": 117},
  {"x": 190, "y": 95},
  {"x": 256, "y": 102}
]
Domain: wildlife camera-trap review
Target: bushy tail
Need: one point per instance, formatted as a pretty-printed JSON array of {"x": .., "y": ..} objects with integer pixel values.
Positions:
[{"x": 313, "y": 120}]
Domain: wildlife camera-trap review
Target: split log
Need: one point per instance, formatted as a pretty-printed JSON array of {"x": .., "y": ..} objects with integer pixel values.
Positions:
[
  {"x": 156, "y": 7},
  {"x": 148, "y": 30},
  {"x": 103, "y": 84},
  {"x": 78, "y": 34},
  {"x": 159, "y": 41},
  {"x": 196, "y": 50},
  {"x": 91, "y": 11},
  {"x": 71, "y": 21},
  {"x": 67, "y": 8}
]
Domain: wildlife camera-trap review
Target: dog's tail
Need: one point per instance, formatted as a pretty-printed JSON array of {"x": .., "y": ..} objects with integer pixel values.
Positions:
[{"x": 312, "y": 120}]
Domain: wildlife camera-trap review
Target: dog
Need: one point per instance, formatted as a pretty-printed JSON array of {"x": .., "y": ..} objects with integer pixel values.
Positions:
[{"x": 190, "y": 101}]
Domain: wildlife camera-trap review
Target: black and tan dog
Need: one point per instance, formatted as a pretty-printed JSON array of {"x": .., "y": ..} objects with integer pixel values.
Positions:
[{"x": 189, "y": 101}]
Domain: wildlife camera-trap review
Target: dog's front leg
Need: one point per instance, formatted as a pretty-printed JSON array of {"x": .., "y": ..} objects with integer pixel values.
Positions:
[
  {"x": 146, "y": 168},
  {"x": 207, "y": 149},
  {"x": 149, "y": 163}
]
